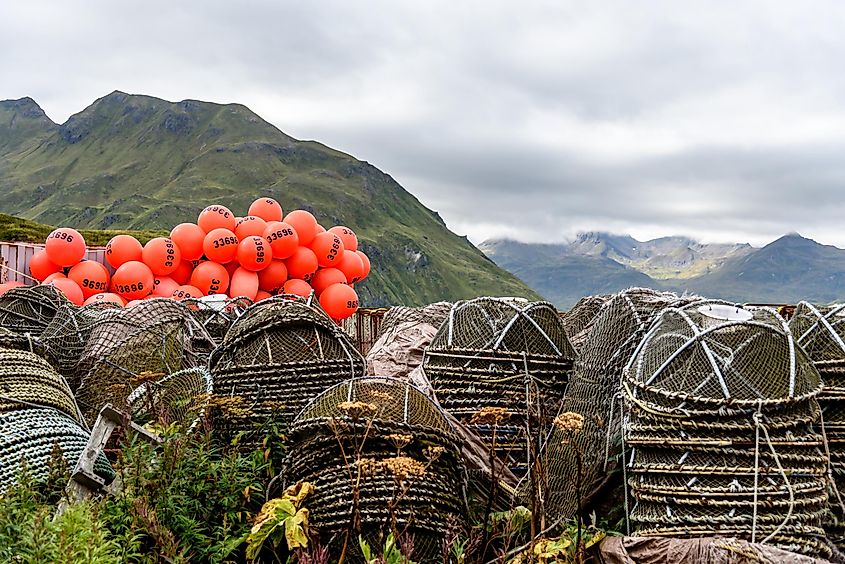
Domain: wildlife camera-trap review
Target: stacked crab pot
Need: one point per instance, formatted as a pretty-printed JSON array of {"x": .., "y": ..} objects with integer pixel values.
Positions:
[
  {"x": 821, "y": 333},
  {"x": 382, "y": 459},
  {"x": 277, "y": 356},
  {"x": 720, "y": 407},
  {"x": 500, "y": 366}
]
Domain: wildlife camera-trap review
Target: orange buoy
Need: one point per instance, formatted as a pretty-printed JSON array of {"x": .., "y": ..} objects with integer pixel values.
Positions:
[
  {"x": 325, "y": 277},
  {"x": 304, "y": 224},
  {"x": 133, "y": 280},
  {"x": 350, "y": 240},
  {"x": 339, "y": 301},
  {"x": 70, "y": 289},
  {"x": 302, "y": 264},
  {"x": 244, "y": 284},
  {"x": 282, "y": 238},
  {"x": 91, "y": 277},
  {"x": 365, "y": 260},
  {"x": 352, "y": 266},
  {"x": 250, "y": 225},
  {"x": 255, "y": 253},
  {"x": 220, "y": 245},
  {"x": 188, "y": 237},
  {"x": 105, "y": 297},
  {"x": 6, "y": 286},
  {"x": 267, "y": 209},
  {"x": 183, "y": 272},
  {"x": 161, "y": 255},
  {"x": 216, "y": 217},
  {"x": 165, "y": 286},
  {"x": 122, "y": 249},
  {"x": 40, "y": 266},
  {"x": 65, "y": 246},
  {"x": 273, "y": 278},
  {"x": 186, "y": 291},
  {"x": 329, "y": 249},
  {"x": 297, "y": 287},
  {"x": 210, "y": 278}
]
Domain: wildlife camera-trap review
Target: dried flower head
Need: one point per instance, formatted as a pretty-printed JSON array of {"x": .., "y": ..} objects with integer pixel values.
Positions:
[
  {"x": 433, "y": 452},
  {"x": 367, "y": 466},
  {"x": 231, "y": 407},
  {"x": 338, "y": 426},
  {"x": 379, "y": 395},
  {"x": 401, "y": 467},
  {"x": 358, "y": 409},
  {"x": 400, "y": 441},
  {"x": 490, "y": 415},
  {"x": 569, "y": 421}
]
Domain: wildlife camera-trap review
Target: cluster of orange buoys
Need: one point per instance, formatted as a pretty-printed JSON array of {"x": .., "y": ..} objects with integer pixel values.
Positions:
[{"x": 261, "y": 254}]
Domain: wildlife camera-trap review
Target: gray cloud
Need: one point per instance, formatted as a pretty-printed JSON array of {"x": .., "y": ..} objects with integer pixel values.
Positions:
[{"x": 721, "y": 120}]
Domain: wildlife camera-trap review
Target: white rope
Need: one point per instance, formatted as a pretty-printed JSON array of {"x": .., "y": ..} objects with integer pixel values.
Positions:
[{"x": 757, "y": 416}]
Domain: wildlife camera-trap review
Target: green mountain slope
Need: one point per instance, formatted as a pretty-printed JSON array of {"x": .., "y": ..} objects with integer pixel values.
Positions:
[{"x": 137, "y": 162}]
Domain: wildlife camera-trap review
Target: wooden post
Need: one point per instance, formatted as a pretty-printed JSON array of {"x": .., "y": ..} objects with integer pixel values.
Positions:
[{"x": 83, "y": 481}]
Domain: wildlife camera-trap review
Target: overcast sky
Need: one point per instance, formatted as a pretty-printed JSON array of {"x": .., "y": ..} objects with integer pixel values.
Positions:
[{"x": 533, "y": 120}]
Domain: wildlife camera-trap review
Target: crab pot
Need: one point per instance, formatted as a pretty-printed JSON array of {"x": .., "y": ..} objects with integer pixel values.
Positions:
[
  {"x": 720, "y": 404},
  {"x": 27, "y": 310},
  {"x": 181, "y": 398},
  {"x": 385, "y": 444},
  {"x": 821, "y": 333},
  {"x": 128, "y": 345},
  {"x": 502, "y": 353},
  {"x": 280, "y": 354},
  {"x": 580, "y": 462}
]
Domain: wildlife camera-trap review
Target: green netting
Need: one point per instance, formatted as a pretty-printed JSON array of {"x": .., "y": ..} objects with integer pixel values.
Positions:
[
  {"x": 382, "y": 458},
  {"x": 180, "y": 398},
  {"x": 29, "y": 309}
]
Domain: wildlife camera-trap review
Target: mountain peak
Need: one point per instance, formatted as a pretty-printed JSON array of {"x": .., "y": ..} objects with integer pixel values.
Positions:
[{"x": 25, "y": 107}]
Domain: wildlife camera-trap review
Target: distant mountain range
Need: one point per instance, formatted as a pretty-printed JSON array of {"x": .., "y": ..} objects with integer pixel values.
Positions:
[
  {"x": 787, "y": 270},
  {"x": 138, "y": 162}
]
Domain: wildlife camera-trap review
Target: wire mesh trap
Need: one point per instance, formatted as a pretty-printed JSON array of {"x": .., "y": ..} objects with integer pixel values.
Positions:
[
  {"x": 29, "y": 309},
  {"x": 821, "y": 333},
  {"x": 579, "y": 458},
  {"x": 720, "y": 404},
  {"x": 65, "y": 337},
  {"x": 216, "y": 317},
  {"x": 502, "y": 354},
  {"x": 382, "y": 458},
  {"x": 181, "y": 398},
  {"x": 278, "y": 355},
  {"x": 131, "y": 345},
  {"x": 27, "y": 380},
  {"x": 34, "y": 439},
  {"x": 578, "y": 321}
]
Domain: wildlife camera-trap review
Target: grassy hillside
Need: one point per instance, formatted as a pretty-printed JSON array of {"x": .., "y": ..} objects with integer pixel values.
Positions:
[{"x": 141, "y": 163}]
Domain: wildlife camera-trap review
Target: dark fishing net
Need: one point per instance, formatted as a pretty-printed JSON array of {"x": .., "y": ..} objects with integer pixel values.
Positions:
[
  {"x": 721, "y": 398},
  {"x": 65, "y": 337},
  {"x": 390, "y": 443},
  {"x": 276, "y": 357},
  {"x": 821, "y": 333},
  {"x": 31, "y": 438},
  {"x": 131, "y": 345},
  {"x": 29, "y": 309},
  {"x": 580, "y": 458},
  {"x": 505, "y": 355}
]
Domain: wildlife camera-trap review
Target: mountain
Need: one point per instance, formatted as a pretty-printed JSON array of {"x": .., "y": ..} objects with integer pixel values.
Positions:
[
  {"x": 138, "y": 162},
  {"x": 563, "y": 277},
  {"x": 787, "y": 270}
]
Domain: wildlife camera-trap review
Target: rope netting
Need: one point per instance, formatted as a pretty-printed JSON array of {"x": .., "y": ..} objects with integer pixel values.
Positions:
[
  {"x": 128, "y": 346},
  {"x": 65, "y": 337},
  {"x": 278, "y": 355},
  {"x": 29, "y": 309},
  {"x": 578, "y": 321},
  {"x": 821, "y": 333},
  {"x": 181, "y": 398},
  {"x": 499, "y": 366},
  {"x": 217, "y": 317},
  {"x": 720, "y": 404},
  {"x": 579, "y": 462},
  {"x": 383, "y": 459}
]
